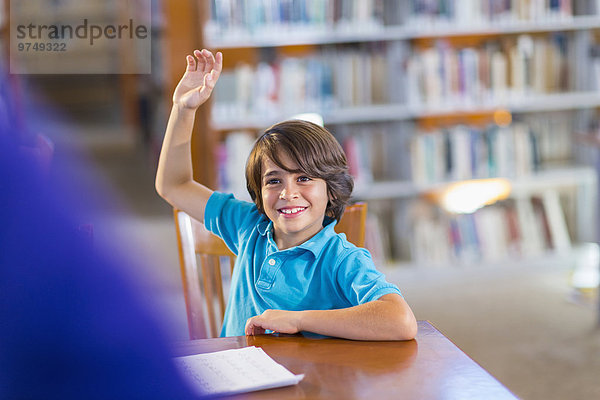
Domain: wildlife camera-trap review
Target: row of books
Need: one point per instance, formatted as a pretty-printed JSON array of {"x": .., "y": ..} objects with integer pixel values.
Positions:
[
  {"x": 485, "y": 11},
  {"x": 238, "y": 18},
  {"x": 259, "y": 18},
  {"x": 513, "y": 229},
  {"x": 463, "y": 152},
  {"x": 496, "y": 71},
  {"x": 309, "y": 83},
  {"x": 467, "y": 152},
  {"x": 401, "y": 151},
  {"x": 378, "y": 151},
  {"x": 384, "y": 73}
]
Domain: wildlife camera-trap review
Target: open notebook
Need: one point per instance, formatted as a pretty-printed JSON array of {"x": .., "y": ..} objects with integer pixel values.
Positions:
[{"x": 234, "y": 371}]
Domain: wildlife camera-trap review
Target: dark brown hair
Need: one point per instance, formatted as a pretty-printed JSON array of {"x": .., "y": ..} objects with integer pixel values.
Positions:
[{"x": 317, "y": 154}]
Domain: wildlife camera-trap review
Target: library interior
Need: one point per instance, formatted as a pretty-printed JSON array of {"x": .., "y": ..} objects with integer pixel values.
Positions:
[{"x": 471, "y": 129}]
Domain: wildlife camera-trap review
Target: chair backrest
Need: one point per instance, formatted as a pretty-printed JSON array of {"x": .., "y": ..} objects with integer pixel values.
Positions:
[
  {"x": 207, "y": 264},
  {"x": 353, "y": 224}
]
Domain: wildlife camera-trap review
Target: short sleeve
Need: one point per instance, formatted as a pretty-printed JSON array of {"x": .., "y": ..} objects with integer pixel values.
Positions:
[
  {"x": 359, "y": 280},
  {"x": 229, "y": 218}
]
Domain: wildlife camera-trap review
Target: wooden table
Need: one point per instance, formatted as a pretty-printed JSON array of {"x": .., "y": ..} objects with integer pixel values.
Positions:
[{"x": 429, "y": 367}]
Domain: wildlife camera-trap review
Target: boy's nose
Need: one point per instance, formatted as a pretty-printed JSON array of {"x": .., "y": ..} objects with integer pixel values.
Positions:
[{"x": 289, "y": 192}]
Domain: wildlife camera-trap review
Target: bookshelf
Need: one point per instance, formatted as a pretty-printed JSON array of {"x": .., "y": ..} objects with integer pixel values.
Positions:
[
  {"x": 284, "y": 58},
  {"x": 389, "y": 33},
  {"x": 400, "y": 112}
]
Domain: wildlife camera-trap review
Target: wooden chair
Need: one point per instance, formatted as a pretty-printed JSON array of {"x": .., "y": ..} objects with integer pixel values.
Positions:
[{"x": 204, "y": 283}]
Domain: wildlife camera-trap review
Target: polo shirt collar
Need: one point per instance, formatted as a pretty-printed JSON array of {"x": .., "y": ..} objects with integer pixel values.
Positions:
[
  {"x": 264, "y": 226},
  {"x": 315, "y": 244}
]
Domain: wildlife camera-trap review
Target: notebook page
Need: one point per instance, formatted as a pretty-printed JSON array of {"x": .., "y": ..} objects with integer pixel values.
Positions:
[{"x": 234, "y": 371}]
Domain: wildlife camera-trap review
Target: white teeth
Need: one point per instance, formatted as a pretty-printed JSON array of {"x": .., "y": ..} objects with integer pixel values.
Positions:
[{"x": 291, "y": 210}]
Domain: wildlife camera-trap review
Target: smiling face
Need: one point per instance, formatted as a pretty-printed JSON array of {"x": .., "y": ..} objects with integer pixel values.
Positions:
[
  {"x": 295, "y": 202},
  {"x": 310, "y": 146}
]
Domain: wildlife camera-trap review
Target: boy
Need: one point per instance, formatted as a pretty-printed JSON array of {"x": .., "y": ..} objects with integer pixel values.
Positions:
[{"x": 293, "y": 272}]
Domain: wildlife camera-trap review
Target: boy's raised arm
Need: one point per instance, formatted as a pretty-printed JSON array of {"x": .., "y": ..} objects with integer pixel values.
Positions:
[{"x": 174, "y": 177}]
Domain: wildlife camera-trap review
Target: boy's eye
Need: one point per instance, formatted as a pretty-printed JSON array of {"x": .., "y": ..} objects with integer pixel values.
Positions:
[
  {"x": 272, "y": 181},
  {"x": 304, "y": 179}
]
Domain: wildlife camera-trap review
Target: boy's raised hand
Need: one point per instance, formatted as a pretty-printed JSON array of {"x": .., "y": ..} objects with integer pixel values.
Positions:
[{"x": 196, "y": 85}]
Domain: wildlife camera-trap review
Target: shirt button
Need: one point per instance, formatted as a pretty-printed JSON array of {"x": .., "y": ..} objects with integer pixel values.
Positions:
[{"x": 271, "y": 262}]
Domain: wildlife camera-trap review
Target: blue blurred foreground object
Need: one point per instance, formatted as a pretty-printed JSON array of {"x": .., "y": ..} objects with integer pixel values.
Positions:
[{"x": 72, "y": 325}]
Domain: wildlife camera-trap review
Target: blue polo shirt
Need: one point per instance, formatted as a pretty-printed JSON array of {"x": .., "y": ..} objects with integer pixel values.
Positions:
[{"x": 325, "y": 272}]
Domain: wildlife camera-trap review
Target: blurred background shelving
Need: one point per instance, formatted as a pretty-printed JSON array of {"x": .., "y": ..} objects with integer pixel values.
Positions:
[
  {"x": 421, "y": 94},
  {"x": 412, "y": 90}
]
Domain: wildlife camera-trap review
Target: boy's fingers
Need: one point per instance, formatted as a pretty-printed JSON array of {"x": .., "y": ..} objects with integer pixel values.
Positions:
[
  {"x": 219, "y": 59},
  {"x": 210, "y": 60},
  {"x": 218, "y": 67},
  {"x": 215, "y": 72},
  {"x": 191, "y": 63},
  {"x": 248, "y": 328},
  {"x": 253, "y": 327},
  {"x": 201, "y": 64}
]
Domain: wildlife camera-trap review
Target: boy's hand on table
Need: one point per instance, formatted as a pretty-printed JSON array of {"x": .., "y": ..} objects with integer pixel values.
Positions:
[
  {"x": 196, "y": 85},
  {"x": 274, "y": 320}
]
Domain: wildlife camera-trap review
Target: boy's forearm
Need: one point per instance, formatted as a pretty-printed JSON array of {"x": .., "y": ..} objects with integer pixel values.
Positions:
[
  {"x": 376, "y": 320},
  {"x": 389, "y": 318},
  {"x": 175, "y": 162},
  {"x": 174, "y": 176}
]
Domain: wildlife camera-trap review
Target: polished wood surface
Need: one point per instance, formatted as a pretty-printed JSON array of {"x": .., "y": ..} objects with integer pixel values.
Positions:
[
  {"x": 201, "y": 257},
  {"x": 429, "y": 367}
]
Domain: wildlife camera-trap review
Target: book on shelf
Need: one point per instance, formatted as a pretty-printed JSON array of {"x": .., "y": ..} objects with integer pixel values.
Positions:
[
  {"x": 555, "y": 221},
  {"x": 541, "y": 215},
  {"x": 586, "y": 7},
  {"x": 529, "y": 228},
  {"x": 231, "y": 163},
  {"x": 357, "y": 154}
]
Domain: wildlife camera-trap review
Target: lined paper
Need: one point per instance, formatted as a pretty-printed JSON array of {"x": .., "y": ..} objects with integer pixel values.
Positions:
[{"x": 234, "y": 371}]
